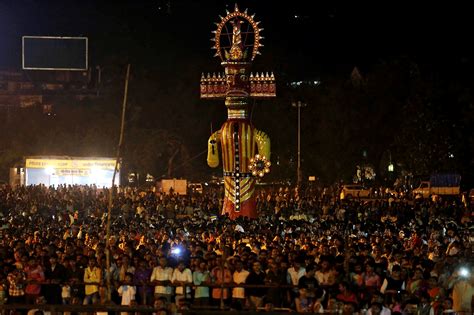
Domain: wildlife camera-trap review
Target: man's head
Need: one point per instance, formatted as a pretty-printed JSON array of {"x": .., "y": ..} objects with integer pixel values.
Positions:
[
  {"x": 181, "y": 266},
  {"x": 257, "y": 267},
  {"x": 40, "y": 300},
  {"x": 160, "y": 303},
  {"x": 128, "y": 277},
  {"x": 376, "y": 308},
  {"x": 377, "y": 297},
  {"x": 310, "y": 270},
  {"x": 303, "y": 292},
  {"x": 396, "y": 270},
  {"x": 92, "y": 263},
  {"x": 349, "y": 308},
  {"x": 448, "y": 303},
  {"x": 163, "y": 262},
  {"x": 32, "y": 261},
  {"x": 239, "y": 265},
  {"x": 53, "y": 259}
]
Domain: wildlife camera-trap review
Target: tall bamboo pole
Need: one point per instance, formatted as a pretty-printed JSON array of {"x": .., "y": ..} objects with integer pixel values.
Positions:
[{"x": 109, "y": 208}]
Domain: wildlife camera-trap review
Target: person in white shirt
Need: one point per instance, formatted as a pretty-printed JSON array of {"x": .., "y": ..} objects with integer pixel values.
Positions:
[
  {"x": 377, "y": 307},
  {"x": 201, "y": 276},
  {"x": 238, "y": 294},
  {"x": 127, "y": 292},
  {"x": 293, "y": 276},
  {"x": 326, "y": 275},
  {"x": 161, "y": 276},
  {"x": 182, "y": 277}
]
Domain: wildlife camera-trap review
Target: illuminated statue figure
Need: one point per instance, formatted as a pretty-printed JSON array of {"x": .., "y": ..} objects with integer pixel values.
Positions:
[{"x": 245, "y": 150}]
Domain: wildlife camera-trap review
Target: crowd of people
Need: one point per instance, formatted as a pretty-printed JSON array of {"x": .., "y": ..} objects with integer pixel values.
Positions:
[{"x": 306, "y": 252}]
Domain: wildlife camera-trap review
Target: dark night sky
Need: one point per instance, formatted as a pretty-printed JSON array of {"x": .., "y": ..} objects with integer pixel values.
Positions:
[
  {"x": 304, "y": 39},
  {"x": 327, "y": 35}
]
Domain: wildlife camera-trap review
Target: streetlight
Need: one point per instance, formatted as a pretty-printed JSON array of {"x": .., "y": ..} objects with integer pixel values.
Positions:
[{"x": 299, "y": 104}]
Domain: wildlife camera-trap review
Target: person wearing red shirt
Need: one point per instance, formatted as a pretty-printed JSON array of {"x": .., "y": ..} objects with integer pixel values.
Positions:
[
  {"x": 34, "y": 273},
  {"x": 346, "y": 295}
]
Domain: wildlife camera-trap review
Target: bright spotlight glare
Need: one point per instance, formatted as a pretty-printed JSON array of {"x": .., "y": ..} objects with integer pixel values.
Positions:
[
  {"x": 464, "y": 272},
  {"x": 176, "y": 251}
]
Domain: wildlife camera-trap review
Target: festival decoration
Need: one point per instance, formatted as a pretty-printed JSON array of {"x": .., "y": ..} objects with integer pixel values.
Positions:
[
  {"x": 259, "y": 165},
  {"x": 237, "y": 41}
]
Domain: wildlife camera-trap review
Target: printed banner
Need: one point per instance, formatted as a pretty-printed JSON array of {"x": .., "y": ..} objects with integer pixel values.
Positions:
[{"x": 63, "y": 164}]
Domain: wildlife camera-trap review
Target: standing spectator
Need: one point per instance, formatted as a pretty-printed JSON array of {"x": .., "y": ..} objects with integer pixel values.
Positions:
[
  {"x": 378, "y": 299},
  {"x": 393, "y": 284},
  {"x": 55, "y": 275},
  {"x": 256, "y": 277},
  {"x": 74, "y": 276},
  {"x": 127, "y": 291},
  {"x": 140, "y": 279},
  {"x": 34, "y": 273},
  {"x": 238, "y": 294},
  {"x": 92, "y": 274},
  {"x": 446, "y": 307},
  {"x": 161, "y": 277},
  {"x": 356, "y": 275},
  {"x": 125, "y": 268},
  {"x": 309, "y": 282},
  {"x": 201, "y": 276},
  {"x": 326, "y": 274},
  {"x": 462, "y": 284},
  {"x": 16, "y": 282},
  {"x": 424, "y": 307},
  {"x": 371, "y": 279},
  {"x": 375, "y": 309},
  {"x": 221, "y": 276},
  {"x": 415, "y": 285},
  {"x": 293, "y": 277},
  {"x": 274, "y": 278},
  {"x": 435, "y": 291},
  {"x": 182, "y": 277},
  {"x": 345, "y": 294}
]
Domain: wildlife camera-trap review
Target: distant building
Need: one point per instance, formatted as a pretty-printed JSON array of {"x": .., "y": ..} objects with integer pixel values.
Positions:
[{"x": 43, "y": 89}]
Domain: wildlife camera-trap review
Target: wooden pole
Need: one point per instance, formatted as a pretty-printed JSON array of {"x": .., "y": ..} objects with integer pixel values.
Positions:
[{"x": 109, "y": 208}]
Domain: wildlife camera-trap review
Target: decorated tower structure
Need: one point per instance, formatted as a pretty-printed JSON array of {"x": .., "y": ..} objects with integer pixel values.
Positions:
[{"x": 245, "y": 150}]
